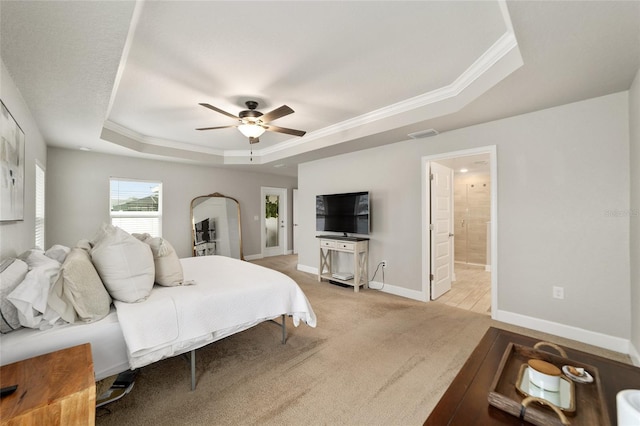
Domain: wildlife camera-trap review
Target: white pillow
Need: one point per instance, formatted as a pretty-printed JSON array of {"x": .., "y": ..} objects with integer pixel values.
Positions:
[
  {"x": 36, "y": 258},
  {"x": 124, "y": 263},
  {"x": 10, "y": 278},
  {"x": 168, "y": 267},
  {"x": 57, "y": 252},
  {"x": 84, "y": 244}
]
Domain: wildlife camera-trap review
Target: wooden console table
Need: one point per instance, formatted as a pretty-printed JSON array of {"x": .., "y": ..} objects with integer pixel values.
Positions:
[
  {"x": 465, "y": 401},
  {"x": 53, "y": 389},
  {"x": 359, "y": 247}
]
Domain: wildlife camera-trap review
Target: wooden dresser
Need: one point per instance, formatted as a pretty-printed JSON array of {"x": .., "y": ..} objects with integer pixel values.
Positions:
[
  {"x": 53, "y": 389},
  {"x": 465, "y": 401}
]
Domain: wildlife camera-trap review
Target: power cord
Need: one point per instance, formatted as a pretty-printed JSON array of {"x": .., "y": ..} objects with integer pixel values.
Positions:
[{"x": 374, "y": 275}]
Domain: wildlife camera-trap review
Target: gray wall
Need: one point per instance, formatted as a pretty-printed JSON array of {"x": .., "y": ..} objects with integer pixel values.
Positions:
[
  {"x": 16, "y": 237},
  {"x": 634, "y": 137},
  {"x": 78, "y": 195},
  {"x": 560, "y": 171}
]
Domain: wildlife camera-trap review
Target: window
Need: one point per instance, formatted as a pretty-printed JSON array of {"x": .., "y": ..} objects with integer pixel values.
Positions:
[
  {"x": 39, "y": 207},
  {"x": 136, "y": 206}
]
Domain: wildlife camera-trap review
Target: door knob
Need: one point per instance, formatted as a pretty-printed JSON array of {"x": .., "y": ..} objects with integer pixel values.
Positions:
[{"x": 450, "y": 234}]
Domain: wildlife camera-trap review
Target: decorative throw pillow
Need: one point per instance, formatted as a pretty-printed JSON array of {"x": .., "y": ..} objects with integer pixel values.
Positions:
[
  {"x": 168, "y": 267},
  {"x": 10, "y": 278},
  {"x": 124, "y": 263},
  {"x": 79, "y": 293}
]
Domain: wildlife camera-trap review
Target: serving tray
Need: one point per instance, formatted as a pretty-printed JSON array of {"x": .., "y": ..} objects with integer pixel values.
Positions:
[{"x": 588, "y": 399}]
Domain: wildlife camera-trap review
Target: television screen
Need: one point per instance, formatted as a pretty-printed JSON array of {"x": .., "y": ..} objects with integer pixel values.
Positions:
[
  {"x": 346, "y": 213},
  {"x": 202, "y": 231}
]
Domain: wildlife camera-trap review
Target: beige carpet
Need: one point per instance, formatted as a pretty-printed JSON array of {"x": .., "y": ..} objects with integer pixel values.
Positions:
[{"x": 373, "y": 359}]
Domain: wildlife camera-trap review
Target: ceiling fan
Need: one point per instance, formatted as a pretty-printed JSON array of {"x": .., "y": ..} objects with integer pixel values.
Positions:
[{"x": 252, "y": 123}]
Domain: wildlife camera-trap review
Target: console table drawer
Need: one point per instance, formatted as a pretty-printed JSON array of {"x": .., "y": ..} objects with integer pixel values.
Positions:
[
  {"x": 327, "y": 243},
  {"x": 346, "y": 246}
]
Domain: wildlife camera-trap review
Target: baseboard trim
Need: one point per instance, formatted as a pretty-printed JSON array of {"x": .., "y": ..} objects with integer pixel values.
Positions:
[
  {"x": 253, "y": 257},
  {"x": 601, "y": 340},
  {"x": 308, "y": 269},
  {"x": 375, "y": 285},
  {"x": 398, "y": 291},
  {"x": 635, "y": 356}
]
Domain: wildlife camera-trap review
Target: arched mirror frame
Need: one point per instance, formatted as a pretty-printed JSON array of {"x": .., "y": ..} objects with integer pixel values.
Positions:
[{"x": 193, "y": 224}]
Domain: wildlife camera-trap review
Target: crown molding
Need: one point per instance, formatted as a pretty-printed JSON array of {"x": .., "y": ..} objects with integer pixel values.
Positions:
[
  {"x": 166, "y": 143},
  {"x": 481, "y": 66},
  {"x": 505, "y": 44}
]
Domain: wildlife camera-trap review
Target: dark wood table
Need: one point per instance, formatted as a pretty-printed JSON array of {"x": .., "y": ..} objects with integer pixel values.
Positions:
[{"x": 465, "y": 401}]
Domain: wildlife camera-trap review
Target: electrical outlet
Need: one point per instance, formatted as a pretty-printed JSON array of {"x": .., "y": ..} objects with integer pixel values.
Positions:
[
  {"x": 558, "y": 292},
  {"x": 384, "y": 263}
]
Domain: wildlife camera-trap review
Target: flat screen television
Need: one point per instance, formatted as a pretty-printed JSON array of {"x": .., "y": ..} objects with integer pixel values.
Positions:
[{"x": 347, "y": 213}]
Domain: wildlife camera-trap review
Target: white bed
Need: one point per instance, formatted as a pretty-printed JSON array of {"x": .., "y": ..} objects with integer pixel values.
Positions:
[
  {"x": 107, "y": 344},
  {"x": 228, "y": 296}
]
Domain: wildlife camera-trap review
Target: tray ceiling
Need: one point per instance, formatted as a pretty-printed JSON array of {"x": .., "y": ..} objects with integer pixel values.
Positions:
[{"x": 127, "y": 77}]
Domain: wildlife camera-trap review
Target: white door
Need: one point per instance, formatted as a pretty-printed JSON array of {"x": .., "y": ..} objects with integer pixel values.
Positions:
[
  {"x": 441, "y": 229},
  {"x": 295, "y": 221},
  {"x": 274, "y": 220}
]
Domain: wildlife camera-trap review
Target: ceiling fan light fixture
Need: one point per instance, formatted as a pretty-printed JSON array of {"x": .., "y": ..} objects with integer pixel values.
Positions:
[
  {"x": 251, "y": 130},
  {"x": 252, "y": 123}
]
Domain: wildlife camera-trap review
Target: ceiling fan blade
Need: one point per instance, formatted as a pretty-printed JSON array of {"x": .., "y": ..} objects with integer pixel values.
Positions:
[
  {"x": 217, "y": 127},
  {"x": 285, "y": 130},
  {"x": 211, "y": 107},
  {"x": 276, "y": 113}
]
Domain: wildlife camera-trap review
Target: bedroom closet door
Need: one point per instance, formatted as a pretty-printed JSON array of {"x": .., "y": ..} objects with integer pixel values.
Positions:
[{"x": 274, "y": 220}]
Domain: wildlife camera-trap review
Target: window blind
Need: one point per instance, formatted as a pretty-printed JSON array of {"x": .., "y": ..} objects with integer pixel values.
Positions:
[{"x": 39, "y": 224}]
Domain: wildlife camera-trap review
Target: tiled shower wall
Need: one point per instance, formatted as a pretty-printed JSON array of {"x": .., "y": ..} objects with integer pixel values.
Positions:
[{"x": 472, "y": 211}]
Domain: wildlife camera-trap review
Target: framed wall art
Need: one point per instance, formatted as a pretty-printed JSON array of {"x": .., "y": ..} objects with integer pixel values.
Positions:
[{"x": 12, "y": 167}]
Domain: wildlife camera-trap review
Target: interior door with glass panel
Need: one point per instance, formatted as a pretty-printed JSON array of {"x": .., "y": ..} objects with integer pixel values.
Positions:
[{"x": 274, "y": 220}]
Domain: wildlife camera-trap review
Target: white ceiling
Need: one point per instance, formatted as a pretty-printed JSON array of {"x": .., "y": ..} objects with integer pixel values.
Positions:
[{"x": 126, "y": 78}]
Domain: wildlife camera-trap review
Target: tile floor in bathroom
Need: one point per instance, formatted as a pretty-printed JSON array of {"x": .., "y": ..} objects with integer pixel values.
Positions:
[{"x": 471, "y": 290}]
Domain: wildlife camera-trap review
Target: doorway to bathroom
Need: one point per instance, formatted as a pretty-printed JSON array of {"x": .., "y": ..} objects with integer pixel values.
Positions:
[
  {"x": 473, "y": 201},
  {"x": 472, "y": 232}
]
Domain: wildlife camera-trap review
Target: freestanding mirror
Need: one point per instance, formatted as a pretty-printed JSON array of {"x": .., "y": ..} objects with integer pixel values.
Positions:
[{"x": 215, "y": 226}]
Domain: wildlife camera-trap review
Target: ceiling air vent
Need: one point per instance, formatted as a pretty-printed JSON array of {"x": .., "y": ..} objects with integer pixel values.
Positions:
[{"x": 423, "y": 134}]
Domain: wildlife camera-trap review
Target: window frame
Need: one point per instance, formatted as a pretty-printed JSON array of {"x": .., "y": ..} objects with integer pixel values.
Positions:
[{"x": 138, "y": 214}]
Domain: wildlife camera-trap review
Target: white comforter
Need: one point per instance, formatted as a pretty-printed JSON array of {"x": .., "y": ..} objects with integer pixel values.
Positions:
[{"x": 228, "y": 296}]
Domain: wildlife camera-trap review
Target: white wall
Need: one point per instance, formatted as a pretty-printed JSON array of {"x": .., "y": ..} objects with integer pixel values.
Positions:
[
  {"x": 16, "y": 237},
  {"x": 634, "y": 217},
  {"x": 560, "y": 171},
  {"x": 78, "y": 195}
]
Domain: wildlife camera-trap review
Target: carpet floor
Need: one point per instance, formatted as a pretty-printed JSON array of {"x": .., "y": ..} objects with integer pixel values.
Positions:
[{"x": 374, "y": 359}]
